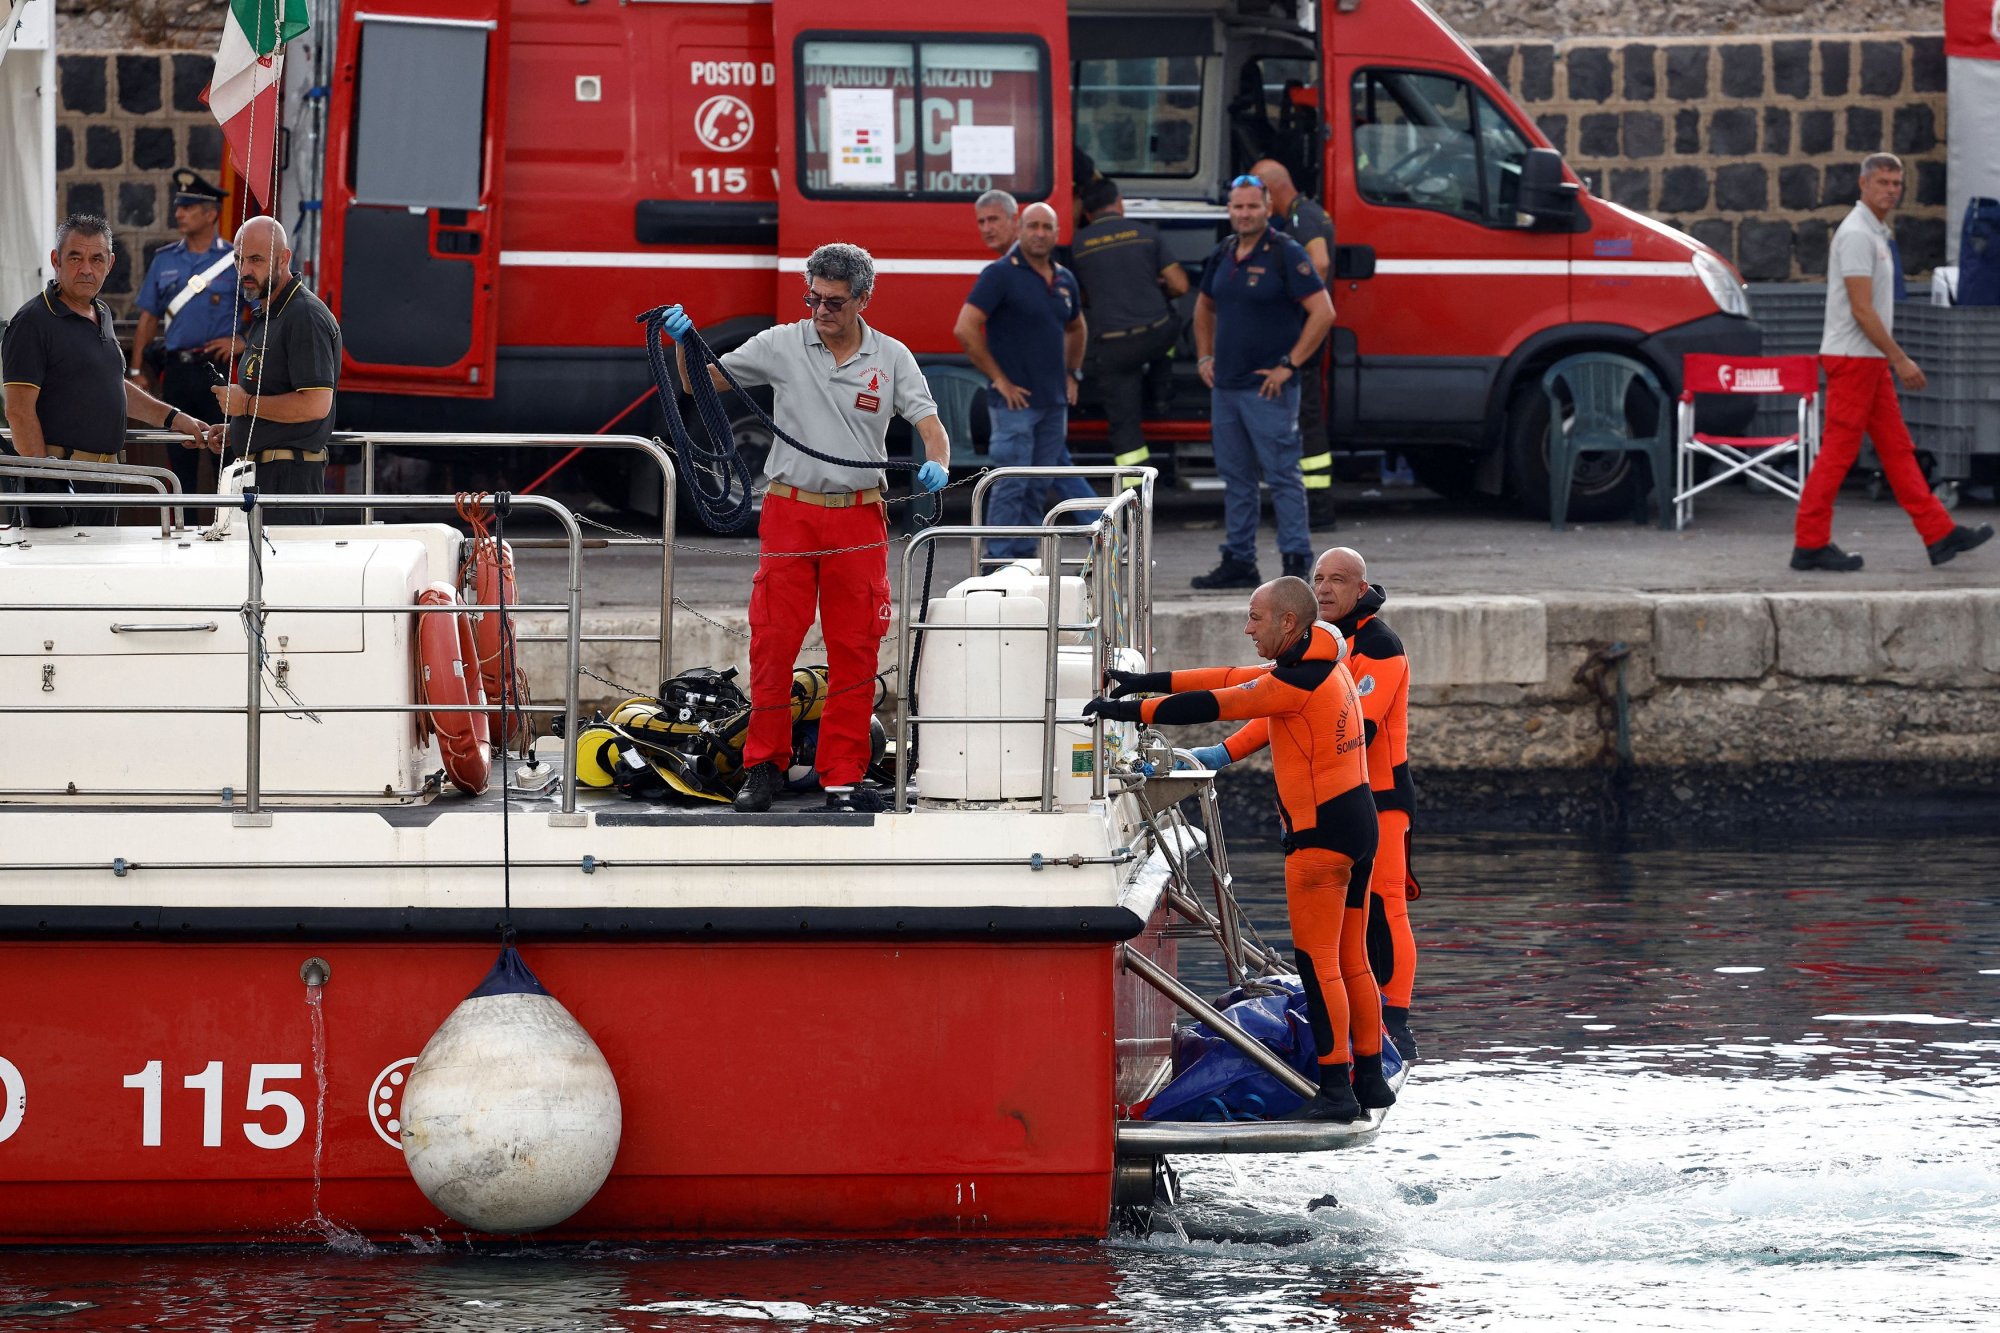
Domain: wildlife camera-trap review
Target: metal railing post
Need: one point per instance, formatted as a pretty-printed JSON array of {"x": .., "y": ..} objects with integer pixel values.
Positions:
[
  {"x": 1052, "y": 678},
  {"x": 1260, "y": 1055},
  {"x": 367, "y": 475},
  {"x": 253, "y": 634}
]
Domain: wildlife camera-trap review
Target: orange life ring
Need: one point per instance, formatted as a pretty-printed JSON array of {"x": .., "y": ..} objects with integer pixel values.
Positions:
[
  {"x": 490, "y": 582},
  {"x": 450, "y": 689}
]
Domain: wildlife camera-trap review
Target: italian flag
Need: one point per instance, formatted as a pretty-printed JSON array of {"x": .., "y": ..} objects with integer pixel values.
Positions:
[{"x": 243, "y": 92}]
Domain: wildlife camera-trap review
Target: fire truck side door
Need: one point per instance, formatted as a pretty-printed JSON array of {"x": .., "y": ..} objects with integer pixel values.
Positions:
[
  {"x": 412, "y": 195},
  {"x": 892, "y": 120}
]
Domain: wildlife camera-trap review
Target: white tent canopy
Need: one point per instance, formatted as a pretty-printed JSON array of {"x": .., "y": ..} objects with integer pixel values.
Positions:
[{"x": 27, "y": 150}]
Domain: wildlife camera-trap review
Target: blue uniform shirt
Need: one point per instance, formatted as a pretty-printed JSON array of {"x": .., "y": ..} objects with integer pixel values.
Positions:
[
  {"x": 211, "y": 314},
  {"x": 1257, "y": 311},
  {"x": 1025, "y": 318}
]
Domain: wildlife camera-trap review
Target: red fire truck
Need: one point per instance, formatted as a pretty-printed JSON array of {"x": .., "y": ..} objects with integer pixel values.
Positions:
[{"x": 489, "y": 190}]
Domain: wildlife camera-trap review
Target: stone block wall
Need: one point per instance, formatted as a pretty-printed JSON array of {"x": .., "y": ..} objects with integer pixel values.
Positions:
[
  {"x": 1752, "y": 145},
  {"x": 126, "y": 119}
]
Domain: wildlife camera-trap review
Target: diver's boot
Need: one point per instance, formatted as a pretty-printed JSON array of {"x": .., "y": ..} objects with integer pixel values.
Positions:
[
  {"x": 1335, "y": 1099},
  {"x": 760, "y": 784},
  {"x": 1396, "y": 1022},
  {"x": 1371, "y": 1090}
]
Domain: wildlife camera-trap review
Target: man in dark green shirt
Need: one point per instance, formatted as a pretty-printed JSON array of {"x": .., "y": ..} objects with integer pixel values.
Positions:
[{"x": 281, "y": 409}]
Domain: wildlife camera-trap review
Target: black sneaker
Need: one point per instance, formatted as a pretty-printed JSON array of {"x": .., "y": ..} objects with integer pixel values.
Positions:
[
  {"x": 1831, "y": 557},
  {"x": 760, "y": 784},
  {"x": 1371, "y": 1090},
  {"x": 1960, "y": 538},
  {"x": 1299, "y": 567},
  {"x": 1396, "y": 1022},
  {"x": 1334, "y": 1101},
  {"x": 860, "y": 799},
  {"x": 1231, "y": 573}
]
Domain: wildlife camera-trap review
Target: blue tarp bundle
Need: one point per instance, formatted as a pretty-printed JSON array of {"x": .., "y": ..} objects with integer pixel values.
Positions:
[{"x": 1215, "y": 1081}]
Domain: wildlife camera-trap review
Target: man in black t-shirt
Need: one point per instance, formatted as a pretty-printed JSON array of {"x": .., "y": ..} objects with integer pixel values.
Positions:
[
  {"x": 1306, "y": 222},
  {"x": 1129, "y": 285},
  {"x": 67, "y": 395},
  {"x": 281, "y": 409}
]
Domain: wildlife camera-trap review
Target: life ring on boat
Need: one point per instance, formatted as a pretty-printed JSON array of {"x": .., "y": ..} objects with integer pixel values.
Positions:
[
  {"x": 489, "y": 581},
  {"x": 449, "y": 688}
]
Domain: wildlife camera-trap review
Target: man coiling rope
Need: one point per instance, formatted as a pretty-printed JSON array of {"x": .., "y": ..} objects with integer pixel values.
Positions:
[{"x": 823, "y": 532}]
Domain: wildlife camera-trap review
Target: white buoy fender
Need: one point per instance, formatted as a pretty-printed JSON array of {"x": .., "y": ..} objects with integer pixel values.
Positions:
[{"x": 511, "y": 1118}]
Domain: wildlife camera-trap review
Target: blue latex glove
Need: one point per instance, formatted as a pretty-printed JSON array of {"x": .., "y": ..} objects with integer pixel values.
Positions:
[
  {"x": 1210, "y": 757},
  {"x": 677, "y": 324},
  {"x": 932, "y": 476}
]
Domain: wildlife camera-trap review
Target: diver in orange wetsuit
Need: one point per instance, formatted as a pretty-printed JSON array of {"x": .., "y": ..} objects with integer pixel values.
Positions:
[
  {"x": 1381, "y": 674},
  {"x": 1316, "y": 732}
]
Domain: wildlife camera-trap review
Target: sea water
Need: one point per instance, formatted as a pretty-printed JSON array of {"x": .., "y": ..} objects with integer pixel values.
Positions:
[{"x": 1707, "y": 1083}]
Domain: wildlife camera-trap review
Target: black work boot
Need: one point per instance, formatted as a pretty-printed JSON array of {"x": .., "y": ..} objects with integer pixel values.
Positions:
[
  {"x": 1960, "y": 538},
  {"x": 1319, "y": 511},
  {"x": 1299, "y": 567},
  {"x": 1231, "y": 573},
  {"x": 760, "y": 784},
  {"x": 1335, "y": 1099},
  {"x": 1371, "y": 1090},
  {"x": 1396, "y": 1022},
  {"x": 860, "y": 799},
  {"x": 1831, "y": 557}
]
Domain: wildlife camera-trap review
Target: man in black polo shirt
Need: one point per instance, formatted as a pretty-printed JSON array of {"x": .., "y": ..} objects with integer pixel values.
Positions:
[
  {"x": 1307, "y": 223},
  {"x": 67, "y": 395},
  {"x": 1129, "y": 285},
  {"x": 281, "y": 410},
  {"x": 1261, "y": 315}
]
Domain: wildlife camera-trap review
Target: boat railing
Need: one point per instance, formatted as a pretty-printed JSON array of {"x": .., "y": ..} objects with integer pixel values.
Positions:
[
  {"x": 1115, "y": 556},
  {"x": 158, "y": 479}
]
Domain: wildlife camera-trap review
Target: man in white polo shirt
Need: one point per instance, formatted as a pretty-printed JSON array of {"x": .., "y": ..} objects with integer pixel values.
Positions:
[
  {"x": 823, "y": 532},
  {"x": 1859, "y": 353}
]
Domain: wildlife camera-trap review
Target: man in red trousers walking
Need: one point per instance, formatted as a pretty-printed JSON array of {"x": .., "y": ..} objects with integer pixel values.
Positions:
[{"x": 1860, "y": 354}]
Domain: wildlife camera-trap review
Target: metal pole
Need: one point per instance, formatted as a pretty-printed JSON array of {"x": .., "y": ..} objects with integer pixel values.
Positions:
[
  {"x": 669, "y": 485},
  {"x": 367, "y": 475},
  {"x": 1052, "y": 567},
  {"x": 903, "y": 674},
  {"x": 1163, "y": 982},
  {"x": 253, "y": 626},
  {"x": 573, "y": 666}
]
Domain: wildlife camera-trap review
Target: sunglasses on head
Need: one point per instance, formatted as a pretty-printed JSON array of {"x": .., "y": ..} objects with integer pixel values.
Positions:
[
  {"x": 1244, "y": 180},
  {"x": 834, "y": 304}
]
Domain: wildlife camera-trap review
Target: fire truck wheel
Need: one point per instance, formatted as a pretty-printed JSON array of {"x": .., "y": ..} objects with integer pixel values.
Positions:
[{"x": 1606, "y": 485}]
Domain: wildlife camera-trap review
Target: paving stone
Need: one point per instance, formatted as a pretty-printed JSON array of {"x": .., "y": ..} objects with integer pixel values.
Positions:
[
  {"x": 1764, "y": 250},
  {"x": 1913, "y": 130},
  {"x": 1683, "y": 189},
  {"x": 153, "y": 147},
  {"x": 1798, "y": 188},
  {"x": 1597, "y": 135},
  {"x": 1835, "y": 63},
  {"x": 191, "y": 76},
  {"x": 1791, "y": 68},
  {"x": 1732, "y": 132},
  {"x": 1742, "y": 187},
  {"x": 1687, "y": 72},
  {"x": 103, "y": 149},
  {"x": 1815, "y": 132},
  {"x": 1632, "y": 187},
  {"x": 136, "y": 203},
  {"x": 1881, "y": 69},
  {"x": 118, "y": 282},
  {"x": 1538, "y": 72},
  {"x": 1825, "y": 635},
  {"x": 1927, "y": 65},
  {"x": 1743, "y": 70},
  {"x": 1645, "y": 134},
  {"x": 1641, "y": 77},
  {"x": 1810, "y": 239},
  {"x": 82, "y": 79},
  {"x": 84, "y": 197},
  {"x": 1777, "y": 131},
  {"x": 1843, "y": 184},
  {"x": 1717, "y": 234},
  {"x": 1589, "y": 69},
  {"x": 1687, "y": 132},
  {"x": 204, "y": 147},
  {"x": 65, "y": 149},
  {"x": 1921, "y": 241},
  {"x": 1864, "y": 129},
  {"x": 1931, "y": 183},
  {"x": 139, "y": 84},
  {"x": 1555, "y": 128},
  {"x": 1721, "y": 637}
]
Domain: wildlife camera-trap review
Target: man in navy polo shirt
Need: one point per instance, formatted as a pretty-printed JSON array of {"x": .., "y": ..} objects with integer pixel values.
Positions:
[
  {"x": 1023, "y": 328},
  {"x": 1261, "y": 315}
]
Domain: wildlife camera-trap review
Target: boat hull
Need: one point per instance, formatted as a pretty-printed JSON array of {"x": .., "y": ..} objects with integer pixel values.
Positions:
[{"x": 162, "y": 1091}]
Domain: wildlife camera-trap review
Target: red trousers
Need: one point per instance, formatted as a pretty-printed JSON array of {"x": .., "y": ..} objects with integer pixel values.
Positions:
[
  {"x": 1326, "y": 897},
  {"x": 850, "y": 593},
  {"x": 1861, "y": 397}
]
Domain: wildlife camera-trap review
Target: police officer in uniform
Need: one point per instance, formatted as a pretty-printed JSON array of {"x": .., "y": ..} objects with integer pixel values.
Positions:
[
  {"x": 189, "y": 296},
  {"x": 1129, "y": 285},
  {"x": 281, "y": 410}
]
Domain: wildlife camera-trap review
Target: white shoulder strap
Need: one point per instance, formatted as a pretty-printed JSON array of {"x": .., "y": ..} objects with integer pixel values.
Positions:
[{"x": 199, "y": 284}]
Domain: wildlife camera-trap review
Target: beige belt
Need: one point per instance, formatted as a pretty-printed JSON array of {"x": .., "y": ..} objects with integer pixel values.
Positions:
[
  {"x": 828, "y": 500},
  {"x": 79, "y": 456},
  {"x": 290, "y": 456},
  {"x": 1113, "y": 334}
]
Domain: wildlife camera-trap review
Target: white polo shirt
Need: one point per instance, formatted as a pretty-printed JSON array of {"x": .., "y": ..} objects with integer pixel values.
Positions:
[
  {"x": 842, "y": 410},
  {"x": 1860, "y": 250}
]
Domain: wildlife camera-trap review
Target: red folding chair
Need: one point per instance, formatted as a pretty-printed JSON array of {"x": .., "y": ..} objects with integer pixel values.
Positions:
[{"x": 1756, "y": 458}]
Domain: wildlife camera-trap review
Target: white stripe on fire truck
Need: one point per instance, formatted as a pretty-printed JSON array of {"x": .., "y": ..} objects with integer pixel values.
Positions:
[
  {"x": 1535, "y": 268},
  {"x": 711, "y": 259}
]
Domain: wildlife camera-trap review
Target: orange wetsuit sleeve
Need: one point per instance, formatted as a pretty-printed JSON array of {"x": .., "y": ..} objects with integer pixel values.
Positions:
[
  {"x": 1212, "y": 678},
  {"x": 1251, "y": 737},
  {"x": 1264, "y": 695}
]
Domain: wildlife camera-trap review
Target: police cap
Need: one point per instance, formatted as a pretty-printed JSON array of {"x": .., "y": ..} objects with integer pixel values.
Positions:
[{"x": 190, "y": 188}]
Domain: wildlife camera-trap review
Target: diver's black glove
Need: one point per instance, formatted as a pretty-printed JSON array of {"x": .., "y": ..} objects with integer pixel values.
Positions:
[
  {"x": 1113, "y": 710},
  {"x": 1138, "y": 682}
]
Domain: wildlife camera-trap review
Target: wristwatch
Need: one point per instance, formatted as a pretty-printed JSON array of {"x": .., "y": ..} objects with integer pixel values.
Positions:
[
  {"x": 133, "y": 373},
  {"x": 1286, "y": 362},
  {"x": 1077, "y": 375}
]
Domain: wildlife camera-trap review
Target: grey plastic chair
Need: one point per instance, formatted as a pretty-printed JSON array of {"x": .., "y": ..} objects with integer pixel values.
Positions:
[{"x": 1597, "y": 384}]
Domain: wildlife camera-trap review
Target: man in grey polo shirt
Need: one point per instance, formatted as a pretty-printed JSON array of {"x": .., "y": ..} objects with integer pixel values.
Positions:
[
  {"x": 1859, "y": 353},
  {"x": 823, "y": 531}
]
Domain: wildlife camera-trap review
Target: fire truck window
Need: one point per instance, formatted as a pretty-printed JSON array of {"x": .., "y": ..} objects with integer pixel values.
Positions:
[
  {"x": 1140, "y": 117},
  {"x": 924, "y": 119},
  {"x": 420, "y": 75},
  {"x": 1431, "y": 142}
]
